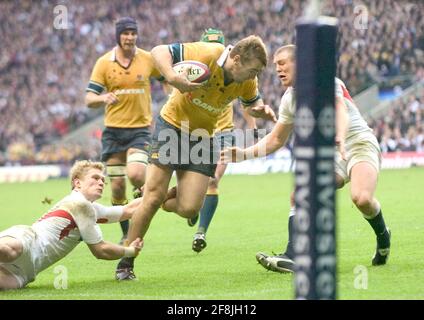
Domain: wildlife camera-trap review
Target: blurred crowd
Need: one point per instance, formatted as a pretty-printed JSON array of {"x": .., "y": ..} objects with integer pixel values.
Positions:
[
  {"x": 402, "y": 128},
  {"x": 47, "y": 55}
]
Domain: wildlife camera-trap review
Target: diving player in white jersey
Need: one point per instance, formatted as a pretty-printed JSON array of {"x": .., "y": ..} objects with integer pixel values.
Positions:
[
  {"x": 357, "y": 160},
  {"x": 27, "y": 250}
]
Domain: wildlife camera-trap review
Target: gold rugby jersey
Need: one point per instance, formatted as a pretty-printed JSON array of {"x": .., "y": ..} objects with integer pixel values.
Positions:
[
  {"x": 131, "y": 85},
  {"x": 202, "y": 108},
  {"x": 225, "y": 120}
]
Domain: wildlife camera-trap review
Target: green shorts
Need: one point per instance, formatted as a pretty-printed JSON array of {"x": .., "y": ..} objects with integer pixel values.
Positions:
[{"x": 182, "y": 151}]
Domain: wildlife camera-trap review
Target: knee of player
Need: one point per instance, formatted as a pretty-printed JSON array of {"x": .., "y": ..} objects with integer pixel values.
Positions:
[
  {"x": 188, "y": 209},
  {"x": 153, "y": 200},
  {"x": 136, "y": 177},
  {"x": 188, "y": 212},
  {"x": 362, "y": 199},
  {"x": 9, "y": 253},
  {"x": 136, "y": 167}
]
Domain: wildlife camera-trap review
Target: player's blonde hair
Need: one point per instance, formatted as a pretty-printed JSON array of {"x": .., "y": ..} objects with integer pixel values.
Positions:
[
  {"x": 250, "y": 48},
  {"x": 80, "y": 169},
  {"x": 290, "y": 48}
]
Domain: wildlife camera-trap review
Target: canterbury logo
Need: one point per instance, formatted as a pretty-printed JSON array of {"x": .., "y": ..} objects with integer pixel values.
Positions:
[
  {"x": 155, "y": 155},
  {"x": 206, "y": 106}
]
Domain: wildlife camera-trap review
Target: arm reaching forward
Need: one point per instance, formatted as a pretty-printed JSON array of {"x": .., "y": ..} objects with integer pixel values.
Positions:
[{"x": 269, "y": 144}]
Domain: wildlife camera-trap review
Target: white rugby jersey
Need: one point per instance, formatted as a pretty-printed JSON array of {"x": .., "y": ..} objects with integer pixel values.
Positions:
[
  {"x": 71, "y": 220},
  {"x": 357, "y": 124}
]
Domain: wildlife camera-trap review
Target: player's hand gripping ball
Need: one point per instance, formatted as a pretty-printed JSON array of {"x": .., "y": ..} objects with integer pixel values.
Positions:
[{"x": 197, "y": 72}]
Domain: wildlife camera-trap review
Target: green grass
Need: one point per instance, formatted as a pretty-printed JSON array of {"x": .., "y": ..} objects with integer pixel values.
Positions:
[{"x": 252, "y": 216}]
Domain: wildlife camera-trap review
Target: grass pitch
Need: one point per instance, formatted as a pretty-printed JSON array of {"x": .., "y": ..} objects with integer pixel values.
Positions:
[{"x": 251, "y": 216}]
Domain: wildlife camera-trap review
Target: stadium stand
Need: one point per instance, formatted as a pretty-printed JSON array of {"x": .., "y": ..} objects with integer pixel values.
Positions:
[{"x": 401, "y": 128}]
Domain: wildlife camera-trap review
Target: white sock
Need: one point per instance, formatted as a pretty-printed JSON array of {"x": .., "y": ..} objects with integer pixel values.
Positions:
[{"x": 376, "y": 212}]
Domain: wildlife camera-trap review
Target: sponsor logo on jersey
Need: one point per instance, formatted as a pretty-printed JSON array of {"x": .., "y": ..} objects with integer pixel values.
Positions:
[
  {"x": 129, "y": 91},
  {"x": 206, "y": 106}
]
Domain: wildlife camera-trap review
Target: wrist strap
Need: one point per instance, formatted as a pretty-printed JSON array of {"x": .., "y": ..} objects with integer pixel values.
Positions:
[{"x": 129, "y": 252}]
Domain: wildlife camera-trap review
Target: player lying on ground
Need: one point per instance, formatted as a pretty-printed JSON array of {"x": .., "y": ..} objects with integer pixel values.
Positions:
[
  {"x": 357, "y": 159},
  {"x": 27, "y": 250}
]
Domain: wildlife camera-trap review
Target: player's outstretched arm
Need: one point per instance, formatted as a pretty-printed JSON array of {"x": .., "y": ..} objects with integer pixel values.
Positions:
[
  {"x": 269, "y": 144},
  {"x": 109, "y": 251},
  {"x": 129, "y": 209}
]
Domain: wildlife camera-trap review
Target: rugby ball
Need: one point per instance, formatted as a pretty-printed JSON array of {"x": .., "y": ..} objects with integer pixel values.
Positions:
[{"x": 198, "y": 72}]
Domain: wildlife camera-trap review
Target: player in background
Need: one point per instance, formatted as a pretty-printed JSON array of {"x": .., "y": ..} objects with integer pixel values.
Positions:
[
  {"x": 192, "y": 112},
  {"x": 25, "y": 251},
  {"x": 120, "y": 82},
  {"x": 357, "y": 159},
  {"x": 226, "y": 138}
]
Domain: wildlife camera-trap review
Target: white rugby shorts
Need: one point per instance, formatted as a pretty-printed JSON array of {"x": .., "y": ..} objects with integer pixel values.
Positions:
[
  {"x": 362, "y": 147},
  {"x": 23, "y": 268}
]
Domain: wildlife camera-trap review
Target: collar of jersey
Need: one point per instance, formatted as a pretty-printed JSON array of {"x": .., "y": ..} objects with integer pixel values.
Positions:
[
  {"x": 221, "y": 61},
  {"x": 78, "y": 194},
  {"x": 113, "y": 56}
]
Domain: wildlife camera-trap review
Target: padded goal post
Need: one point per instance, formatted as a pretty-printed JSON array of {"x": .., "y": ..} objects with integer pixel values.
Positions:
[{"x": 315, "y": 220}]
